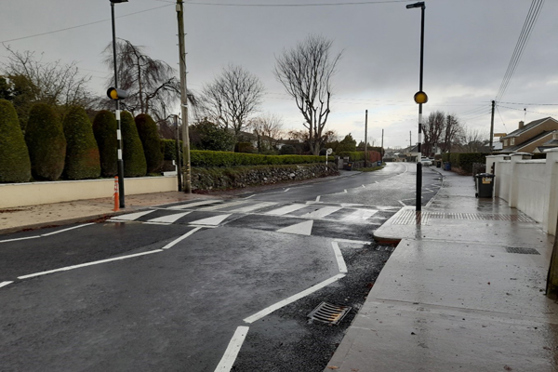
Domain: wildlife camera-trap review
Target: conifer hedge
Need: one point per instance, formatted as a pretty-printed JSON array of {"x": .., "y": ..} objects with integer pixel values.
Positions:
[
  {"x": 15, "y": 165},
  {"x": 45, "y": 140},
  {"x": 133, "y": 155},
  {"x": 104, "y": 128},
  {"x": 82, "y": 154},
  {"x": 149, "y": 136}
]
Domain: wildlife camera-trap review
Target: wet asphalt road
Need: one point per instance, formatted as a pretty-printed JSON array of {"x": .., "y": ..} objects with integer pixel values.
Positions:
[{"x": 166, "y": 289}]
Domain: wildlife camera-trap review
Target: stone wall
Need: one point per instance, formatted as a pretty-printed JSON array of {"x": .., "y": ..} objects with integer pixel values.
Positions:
[{"x": 240, "y": 177}]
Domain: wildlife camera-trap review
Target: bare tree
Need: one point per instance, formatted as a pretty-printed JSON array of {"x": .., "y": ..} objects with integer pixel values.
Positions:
[
  {"x": 305, "y": 71},
  {"x": 473, "y": 140},
  {"x": 433, "y": 129},
  {"x": 152, "y": 83},
  {"x": 31, "y": 80},
  {"x": 231, "y": 98},
  {"x": 267, "y": 129},
  {"x": 452, "y": 132}
]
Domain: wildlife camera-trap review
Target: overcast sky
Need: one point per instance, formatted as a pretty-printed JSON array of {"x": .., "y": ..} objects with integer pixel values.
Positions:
[{"x": 468, "y": 45}]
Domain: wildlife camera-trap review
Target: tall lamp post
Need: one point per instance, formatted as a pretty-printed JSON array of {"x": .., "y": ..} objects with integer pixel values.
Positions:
[
  {"x": 117, "y": 103},
  {"x": 420, "y": 98}
]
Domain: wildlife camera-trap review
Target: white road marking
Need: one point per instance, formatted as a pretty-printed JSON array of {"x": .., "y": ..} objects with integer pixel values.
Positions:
[
  {"x": 211, "y": 221},
  {"x": 286, "y": 209},
  {"x": 68, "y": 229},
  {"x": 195, "y": 204},
  {"x": 251, "y": 196},
  {"x": 224, "y": 205},
  {"x": 170, "y": 218},
  {"x": 345, "y": 191},
  {"x": 363, "y": 186},
  {"x": 339, "y": 257},
  {"x": 318, "y": 198},
  {"x": 321, "y": 213},
  {"x": 131, "y": 216},
  {"x": 17, "y": 239},
  {"x": 359, "y": 215},
  {"x": 251, "y": 208},
  {"x": 344, "y": 205},
  {"x": 233, "y": 349},
  {"x": 176, "y": 241},
  {"x": 3, "y": 284},
  {"x": 352, "y": 241},
  {"x": 302, "y": 228},
  {"x": 287, "y": 189},
  {"x": 67, "y": 268},
  {"x": 296, "y": 297}
]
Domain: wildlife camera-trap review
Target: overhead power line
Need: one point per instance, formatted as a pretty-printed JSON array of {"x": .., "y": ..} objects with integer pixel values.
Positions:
[
  {"x": 292, "y": 5},
  {"x": 81, "y": 25},
  {"x": 528, "y": 25}
]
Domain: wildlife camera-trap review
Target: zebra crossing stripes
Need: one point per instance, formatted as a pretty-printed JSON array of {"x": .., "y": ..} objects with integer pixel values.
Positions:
[
  {"x": 251, "y": 208},
  {"x": 321, "y": 213},
  {"x": 171, "y": 218},
  {"x": 131, "y": 216},
  {"x": 195, "y": 204},
  {"x": 286, "y": 209}
]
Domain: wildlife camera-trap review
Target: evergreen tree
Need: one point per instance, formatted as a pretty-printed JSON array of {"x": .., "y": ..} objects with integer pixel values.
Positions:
[
  {"x": 104, "y": 128},
  {"x": 135, "y": 164},
  {"x": 82, "y": 153},
  {"x": 149, "y": 136},
  {"x": 15, "y": 165},
  {"x": 45, "y": 139}
]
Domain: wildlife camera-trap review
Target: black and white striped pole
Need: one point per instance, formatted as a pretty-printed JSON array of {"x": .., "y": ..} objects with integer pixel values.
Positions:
[
  {"x": 420, "y": 98},
  {"x": 116, "y": 94}
]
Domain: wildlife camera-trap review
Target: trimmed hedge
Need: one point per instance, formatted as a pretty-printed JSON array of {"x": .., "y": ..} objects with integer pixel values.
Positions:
[
  {"x": 82, "y": 154},
  {"x": 15, "y": 165},
  {"x": 168, "y": 146},
  {"x": 373, "y": 155},
  {"x": 133, "y": 156},
  {"x": 149, "y": 135},
  {"x": 104, "y": 128},
  {"x": 208, "y": 159},
  {"x": 464, "y": 160},
  {"x": 45, "y": 140}
]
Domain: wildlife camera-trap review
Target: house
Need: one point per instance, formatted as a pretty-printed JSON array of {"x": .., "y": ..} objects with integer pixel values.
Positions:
[{"x": 527, "y": 138}]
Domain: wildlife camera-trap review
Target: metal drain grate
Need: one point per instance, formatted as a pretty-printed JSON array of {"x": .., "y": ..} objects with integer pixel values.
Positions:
[
  {"x": 410, "y": 217},
  {"x": 522, "y": 250},
  {"x": 329, "y": 313}
]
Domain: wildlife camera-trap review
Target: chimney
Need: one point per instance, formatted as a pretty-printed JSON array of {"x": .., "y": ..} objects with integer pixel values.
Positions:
[{"x": 521, "y": 124}]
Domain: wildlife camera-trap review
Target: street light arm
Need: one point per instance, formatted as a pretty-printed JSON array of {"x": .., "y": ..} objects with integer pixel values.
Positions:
[{"x": 420, "y": 4}]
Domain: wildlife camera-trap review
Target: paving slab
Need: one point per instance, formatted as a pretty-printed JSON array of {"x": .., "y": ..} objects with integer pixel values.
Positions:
[{"x": 463, "y": 290}]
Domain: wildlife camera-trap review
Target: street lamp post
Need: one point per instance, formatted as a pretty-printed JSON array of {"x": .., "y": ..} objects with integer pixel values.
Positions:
[
  {"x": 120, "y": 162},
  {"x": 420, "y": 98}
]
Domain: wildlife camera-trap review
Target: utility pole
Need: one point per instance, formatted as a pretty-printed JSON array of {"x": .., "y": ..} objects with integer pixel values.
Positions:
[
  {"x": 382, "y": 148},
  {"x": 184, "y": 97},
  {"x": 492, "y": 126},
  {"x": 365, "y": 137},
  {"x": 178, "y": 166},
  {"x": 410, "y": 139}
]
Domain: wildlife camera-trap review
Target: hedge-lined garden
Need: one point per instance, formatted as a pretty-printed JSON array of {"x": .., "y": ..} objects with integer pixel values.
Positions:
[
  {"x": 463, "y": 160},
  {"x": 75, "y": 148}
]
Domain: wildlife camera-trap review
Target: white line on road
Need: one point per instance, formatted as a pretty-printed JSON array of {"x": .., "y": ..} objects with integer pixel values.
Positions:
[
  {"x": 286, "y": 209},
  {"x": 131, "y": 216},
  {"x": 318, "y": 198},
  {"x": 17, "y": 239},
  {"x": 321, "y": 213},
  {"x": 339, "y": 258},
  {"x": 170, "y": 218},
  {"x": 251, "y": 196},
  {"x": 345, "y": 191},
  {"x": 359, "y": 215},
  {"x": 363, "y": 186},
  {"x": 287, "y": 189},
  {"x": 68, "y": 229},
  {"x": 211, "y": 221},
  {"x": 3, "y": 284},
  {"x": 224, "y": 205},
  {"x": 178, "y": 240},
  {"x": 231, "y": 353},
  {"x": 301, "y": 228},
  {"x": 296, "y": 297},
  {"x": 253, "y": 207},
  {"x": 67, "y": 268},
  {"x": 352, "y": 241}
]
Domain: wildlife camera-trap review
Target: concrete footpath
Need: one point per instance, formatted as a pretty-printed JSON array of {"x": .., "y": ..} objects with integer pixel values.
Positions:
[{"x": 463, "y": 291}]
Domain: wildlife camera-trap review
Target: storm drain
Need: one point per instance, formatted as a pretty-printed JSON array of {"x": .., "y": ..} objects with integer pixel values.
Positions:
[
  {"x": 329, "y": 313},
  {"x": 522, "y": 250}
]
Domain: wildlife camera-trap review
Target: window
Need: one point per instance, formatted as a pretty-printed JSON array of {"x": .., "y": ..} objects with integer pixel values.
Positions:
[
  {"x": 505, "y": 143},
  {"x": 512, "y": 141}
]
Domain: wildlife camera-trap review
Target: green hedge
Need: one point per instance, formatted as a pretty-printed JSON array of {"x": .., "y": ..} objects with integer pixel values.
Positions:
[
  {"x": 168, "y": 147},
  {"x": 82, "y": 154},
  {"x": 15, "y": 165},
  {"x": 147, "y": 129},
  {"x": 464, "y": 160},
  {"x": 201, "y": 158},
  {"x": 104, "y": 128},
  {"x": 133, "y": 157}
]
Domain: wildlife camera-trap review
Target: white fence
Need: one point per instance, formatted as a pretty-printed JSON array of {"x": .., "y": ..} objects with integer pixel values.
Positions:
[{"x": 528, "y": 185}]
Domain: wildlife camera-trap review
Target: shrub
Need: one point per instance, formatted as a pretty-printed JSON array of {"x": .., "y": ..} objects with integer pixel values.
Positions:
[
  {"x": 245, "y": 147},
  {"x": 133, "y": 156},
  {"x": 15, "y": 165},
  {"x": 149, "y": 136},
  {"x": 464, "y": 160},
  {"x": 104, "y": 128},
  {"x": 82, "y": 154},
  {"x": 169, "y": 149},
  {"x": 44, "y": 136},
  {"x": 287, "y": 150}
]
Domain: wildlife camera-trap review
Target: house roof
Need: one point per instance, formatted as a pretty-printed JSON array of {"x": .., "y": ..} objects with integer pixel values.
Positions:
[
  {"x": 528, "y": 127},
  {"x": 509, "y": 150}
]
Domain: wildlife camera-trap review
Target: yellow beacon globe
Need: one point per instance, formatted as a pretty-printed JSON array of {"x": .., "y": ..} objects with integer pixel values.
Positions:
[{"x": 421, "y": 97}]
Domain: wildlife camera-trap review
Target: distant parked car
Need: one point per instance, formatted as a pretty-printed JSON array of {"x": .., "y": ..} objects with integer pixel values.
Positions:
[{"x": 426, "y": 161}]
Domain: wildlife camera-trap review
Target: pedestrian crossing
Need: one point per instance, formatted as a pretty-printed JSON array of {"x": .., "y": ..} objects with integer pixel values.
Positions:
[{"x": 309, "y": 218}]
